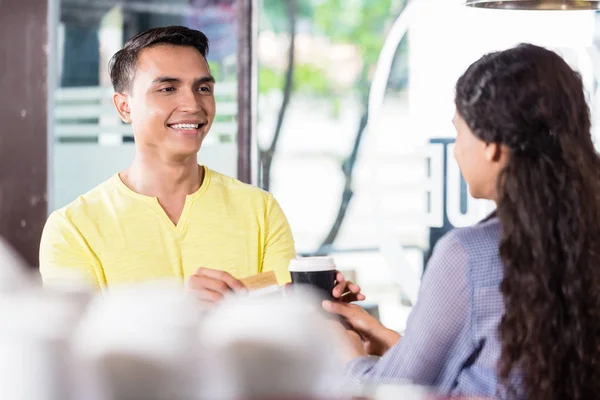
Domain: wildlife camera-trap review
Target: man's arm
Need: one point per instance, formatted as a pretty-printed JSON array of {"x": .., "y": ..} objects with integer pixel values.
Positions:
[
  {"x": 278, "y": 249},
  {"x": 279, "y": 246},
  {"x": 65, "y": 255}
]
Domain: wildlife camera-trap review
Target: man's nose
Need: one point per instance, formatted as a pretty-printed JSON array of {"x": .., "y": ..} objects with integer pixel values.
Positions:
[{"x": 190, "y": 101}]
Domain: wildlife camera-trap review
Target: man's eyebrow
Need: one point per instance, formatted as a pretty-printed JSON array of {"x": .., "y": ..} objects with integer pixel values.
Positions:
[
  {"x": 205, "y": 79},
  {"x": 171, "y": 79},
  {"x": 165, "y": 79}
]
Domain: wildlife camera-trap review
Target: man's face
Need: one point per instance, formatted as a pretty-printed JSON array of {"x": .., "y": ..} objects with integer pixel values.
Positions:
[{"x": 171, "y": 104}]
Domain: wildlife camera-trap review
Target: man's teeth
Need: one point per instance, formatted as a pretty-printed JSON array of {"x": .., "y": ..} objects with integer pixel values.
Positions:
[{"x": 185, "y": 126}]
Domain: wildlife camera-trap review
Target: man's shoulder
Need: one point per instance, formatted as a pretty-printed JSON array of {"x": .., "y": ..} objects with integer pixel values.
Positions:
[
  {"x": 92, "y": 203},
  {"x": 237, "y": 188}
]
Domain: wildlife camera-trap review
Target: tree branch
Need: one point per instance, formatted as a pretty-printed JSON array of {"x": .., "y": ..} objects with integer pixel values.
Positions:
[
  {"x": 347, "y": 169},
  {"x": 266, "y": 156}
]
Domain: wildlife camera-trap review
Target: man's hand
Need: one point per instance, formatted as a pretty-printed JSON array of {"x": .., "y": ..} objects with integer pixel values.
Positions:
[
  {"x": 376, "y": 339},
  {"x": 346, "y": 291},
  {"x": 212, "y": 285}
]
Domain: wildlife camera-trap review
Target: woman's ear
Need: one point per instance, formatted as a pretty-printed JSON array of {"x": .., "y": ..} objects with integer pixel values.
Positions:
[{"x": 494, "y": 152}]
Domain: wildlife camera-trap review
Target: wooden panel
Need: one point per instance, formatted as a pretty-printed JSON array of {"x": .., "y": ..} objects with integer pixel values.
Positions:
[
  {"x": 23, "y": 136},
  {"x": 246, "y": 19}
]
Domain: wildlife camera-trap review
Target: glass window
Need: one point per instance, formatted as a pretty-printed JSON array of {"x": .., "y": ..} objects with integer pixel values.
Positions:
[{"x": 355, "y": 125}]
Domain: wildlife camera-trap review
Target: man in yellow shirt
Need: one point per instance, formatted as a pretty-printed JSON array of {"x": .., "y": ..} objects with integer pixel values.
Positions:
[{"x": 166, "y": 216}]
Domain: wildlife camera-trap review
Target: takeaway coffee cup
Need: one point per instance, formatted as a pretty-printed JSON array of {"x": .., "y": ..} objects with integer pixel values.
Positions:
[{"x": 318, "y": 272}]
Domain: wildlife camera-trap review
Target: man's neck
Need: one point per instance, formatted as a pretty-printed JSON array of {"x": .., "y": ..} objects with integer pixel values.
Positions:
[{"x": 157, "y": 178}]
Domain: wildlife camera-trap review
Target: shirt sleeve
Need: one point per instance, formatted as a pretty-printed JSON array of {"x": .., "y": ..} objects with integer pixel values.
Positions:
[
  {"x": 279, "y": 247},
  {"x": 439, "y": 316},
  {"x": 65, "y": 255}
]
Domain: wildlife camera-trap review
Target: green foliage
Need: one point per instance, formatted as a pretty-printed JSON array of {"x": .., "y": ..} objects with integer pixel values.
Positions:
[
  {"x": 274, "y": 14},
  {"x": 269, "y": 79},
  {"x": 215, "y": 70},
  {"x": 310, "y": 78},
  {"x": 361, "y": 23},
  {"x": 307, "y": 78}
]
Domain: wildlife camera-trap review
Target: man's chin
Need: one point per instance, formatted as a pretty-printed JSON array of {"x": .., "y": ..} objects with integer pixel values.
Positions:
[
  {"x": 188, "y": 145},
  {"x": 184, "y": 152}
]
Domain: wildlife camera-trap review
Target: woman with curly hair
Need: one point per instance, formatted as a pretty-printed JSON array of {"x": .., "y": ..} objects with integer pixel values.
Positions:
[{"x": 509, "y": 307}]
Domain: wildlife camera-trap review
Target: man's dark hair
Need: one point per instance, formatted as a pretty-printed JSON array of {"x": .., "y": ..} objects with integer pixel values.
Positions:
[{"x": 122, "y": 65}]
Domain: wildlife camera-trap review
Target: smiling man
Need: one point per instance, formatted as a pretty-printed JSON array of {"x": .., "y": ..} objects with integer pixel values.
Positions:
[{"x": 166, "y": 216}]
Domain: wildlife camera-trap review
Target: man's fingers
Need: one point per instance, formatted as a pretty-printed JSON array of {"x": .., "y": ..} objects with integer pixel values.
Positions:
[
  {"x": 198, "y": 286},
  {"x": 206, "y": 283},
  {"x": 211, "y": 285},
  {"x": 221, "y": 276},
  {"x": 209, "y": 296}
]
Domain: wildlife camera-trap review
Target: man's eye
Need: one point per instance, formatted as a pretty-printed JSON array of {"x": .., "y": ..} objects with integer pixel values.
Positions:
[
  {"x": 204, "y": 89},
  {"x": 167, "y": 89}
]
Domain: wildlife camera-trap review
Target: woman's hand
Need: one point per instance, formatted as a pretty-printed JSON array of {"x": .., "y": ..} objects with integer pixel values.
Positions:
[
  {"x": 351, "y": 341},
  {"x": 346, "y": 291},
  {"x": 375, "y": 338}
]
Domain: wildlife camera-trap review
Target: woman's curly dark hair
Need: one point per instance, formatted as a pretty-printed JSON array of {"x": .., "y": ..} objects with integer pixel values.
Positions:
[{"x": 529, "y": 99}]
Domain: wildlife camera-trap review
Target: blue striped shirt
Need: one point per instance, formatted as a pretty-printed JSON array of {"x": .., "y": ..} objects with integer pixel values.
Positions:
[{"x": 451, "y": 342}]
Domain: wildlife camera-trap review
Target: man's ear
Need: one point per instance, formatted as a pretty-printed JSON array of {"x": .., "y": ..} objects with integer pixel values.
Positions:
[{"x": 121, "y": 102}]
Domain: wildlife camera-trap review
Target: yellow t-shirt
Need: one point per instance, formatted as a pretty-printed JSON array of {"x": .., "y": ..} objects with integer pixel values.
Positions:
[{"x": 113, "y": 235}]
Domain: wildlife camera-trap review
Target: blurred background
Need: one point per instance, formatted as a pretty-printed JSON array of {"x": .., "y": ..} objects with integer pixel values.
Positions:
[{"x": 341, "y": 108}]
